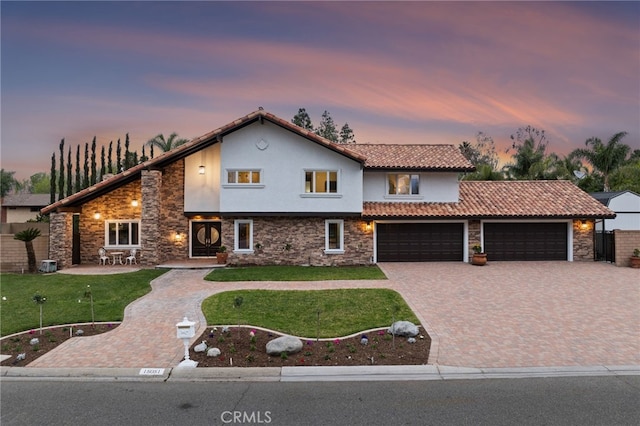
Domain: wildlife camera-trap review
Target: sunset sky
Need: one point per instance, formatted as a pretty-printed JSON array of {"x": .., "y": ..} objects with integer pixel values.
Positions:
[{"x": 415, "y": 72}]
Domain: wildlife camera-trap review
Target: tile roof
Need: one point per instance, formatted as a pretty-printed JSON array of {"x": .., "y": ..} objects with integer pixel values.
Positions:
[
  {"x": 26, "y": 200},
  {"x": 501, "y": 199},
  {"x": 420, "y": 157}
]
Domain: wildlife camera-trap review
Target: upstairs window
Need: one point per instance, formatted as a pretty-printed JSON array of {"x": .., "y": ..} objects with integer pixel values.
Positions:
[
  {"x": 243, "y": 177},
  {"x": 403, "y": 184},
  {"x": 122, "y": 233},
  {"x": 321, "y": 181}
]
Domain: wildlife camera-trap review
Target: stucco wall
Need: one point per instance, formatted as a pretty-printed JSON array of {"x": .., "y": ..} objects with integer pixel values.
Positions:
[{"x": 13, "y": 253}]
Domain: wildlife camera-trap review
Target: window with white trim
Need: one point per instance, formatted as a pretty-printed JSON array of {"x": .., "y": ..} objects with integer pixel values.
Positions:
[
  {"x": 122, "y": 233},
  {"x": 244, "y": 177},
  {"x": 243, "y": 235},
  {"x": 321, "y": 181},
  {"x": 403, "y": 184},
  {"x": 334, "y": 236}
]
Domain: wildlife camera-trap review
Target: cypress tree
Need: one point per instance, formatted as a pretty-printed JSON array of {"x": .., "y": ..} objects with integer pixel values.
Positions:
[
  {"x": 85, "y": 180},
  {"x": 52, "y": 182},
  {"x": 94, "y": 172},
  {"x": 78, "y": 182},
  {"x": 61, "y": 177},
  {"x": 110, "y": 158},
  {"x": 127, "y": 155},
  {"x": 69, "y": 174},
  {"x": 118, "y": 157},
  {"x": 102, "y": 164}
]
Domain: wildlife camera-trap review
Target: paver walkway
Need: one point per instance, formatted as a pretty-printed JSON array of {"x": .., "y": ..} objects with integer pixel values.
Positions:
[{"x": 505, "y": 314}]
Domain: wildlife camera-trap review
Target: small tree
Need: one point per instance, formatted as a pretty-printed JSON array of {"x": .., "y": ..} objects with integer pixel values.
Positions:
[
  {"x": 28, "y": 235},
  {"x": 39, "y": 299}
]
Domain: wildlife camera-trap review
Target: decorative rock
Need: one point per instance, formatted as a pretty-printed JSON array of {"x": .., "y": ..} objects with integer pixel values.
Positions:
[
  {"x": 404, "y": 329},
  {"x": 213, "y": 352},
  {"x": 287, "y": 344},
  {"x": 79, "y": 332},
  {"x": 411, "y": 340},
  {"x": 225, "y": 329},
  {"x": 34, "y": 341},
  {"x": 364, "y": 340},
  {"x": 21, "y": 356},
  {"x": 201, "y": 347}
]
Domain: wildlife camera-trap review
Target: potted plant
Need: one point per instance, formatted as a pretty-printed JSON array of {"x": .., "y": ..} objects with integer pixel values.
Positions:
[
  {"x": 479, "y": 258},
  {"x": 634, "y": 260},
  {"x": 222, "y": 255}
]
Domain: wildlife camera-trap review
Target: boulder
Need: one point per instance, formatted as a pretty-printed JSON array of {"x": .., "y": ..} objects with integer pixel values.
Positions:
[
  {"x": 288, "y": 344},
  {"x": 213, "y": 352},
  {"x": 200, "y": 347},
  {"x": 34, "y": 341},
  {"x": 404, "y": 329}
]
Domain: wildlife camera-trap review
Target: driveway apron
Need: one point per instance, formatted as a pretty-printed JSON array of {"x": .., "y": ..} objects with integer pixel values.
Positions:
[{"x": 505, "y": 314}]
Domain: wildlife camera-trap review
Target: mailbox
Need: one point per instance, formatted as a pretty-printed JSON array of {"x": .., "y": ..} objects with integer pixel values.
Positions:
[{"x": 186, "y": 329}]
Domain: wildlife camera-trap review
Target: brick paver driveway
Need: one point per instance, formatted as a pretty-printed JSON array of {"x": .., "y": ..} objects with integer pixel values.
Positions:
[
  {"x": 508, "y": 314},
  {"x": 522, "y": 314}
]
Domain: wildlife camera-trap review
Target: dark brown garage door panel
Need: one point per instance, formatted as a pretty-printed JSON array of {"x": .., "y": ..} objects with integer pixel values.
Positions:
[
  {"x": 419, "y": 242},
  {"x": 526, "y": 241}
]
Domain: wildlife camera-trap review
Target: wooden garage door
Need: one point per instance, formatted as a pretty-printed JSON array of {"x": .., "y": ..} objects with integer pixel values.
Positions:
[
  {"x": 525, "y": 241},
  {"x": 419, "y": 242}
]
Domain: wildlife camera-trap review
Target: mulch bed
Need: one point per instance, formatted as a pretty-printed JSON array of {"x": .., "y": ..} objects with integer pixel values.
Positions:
[
  {"x": 239, "y": 349},
  {"x": 48, "y": 340}
]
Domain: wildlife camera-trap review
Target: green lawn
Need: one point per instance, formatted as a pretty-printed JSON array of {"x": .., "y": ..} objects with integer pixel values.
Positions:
[
  {"x": 111, "y": 293},
  {"x": 297, "y": 273},
  {"x": 342, "y": 312}
]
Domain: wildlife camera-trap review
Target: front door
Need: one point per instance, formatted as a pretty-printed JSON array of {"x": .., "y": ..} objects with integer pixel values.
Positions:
[{"x": 205, "y": 238}]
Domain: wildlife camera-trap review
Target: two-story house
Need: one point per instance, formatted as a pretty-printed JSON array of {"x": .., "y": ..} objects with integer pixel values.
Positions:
[{"x": 274, "y": 193}]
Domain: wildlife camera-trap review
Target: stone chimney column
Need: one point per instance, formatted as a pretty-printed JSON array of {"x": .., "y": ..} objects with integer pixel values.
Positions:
[{"x": 150, "y": 222}]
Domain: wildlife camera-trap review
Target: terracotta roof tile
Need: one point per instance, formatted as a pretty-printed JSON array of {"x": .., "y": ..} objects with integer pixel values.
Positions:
[
  {"x": 505, "y": 199},
  {"x": 423, "y": 157}
]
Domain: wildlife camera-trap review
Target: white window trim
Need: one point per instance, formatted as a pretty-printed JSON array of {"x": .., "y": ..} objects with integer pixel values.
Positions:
[
  {"x": 243, "y": 185},
  {"x": 402, "y": 196},
  {"x": 337, "y": 194},
  {"x": 236, "y": 233},
  {"x": 108, "y": 246},
  {"x": 327, "y": 250}
]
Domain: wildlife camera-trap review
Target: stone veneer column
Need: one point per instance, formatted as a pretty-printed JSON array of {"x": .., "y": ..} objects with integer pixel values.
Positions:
[
  {"x": 150, "y": 221},
  {"x": 583, "y": 242},
  {"x": 474, "y": 236},
  {"x": 61, "y": 239}
]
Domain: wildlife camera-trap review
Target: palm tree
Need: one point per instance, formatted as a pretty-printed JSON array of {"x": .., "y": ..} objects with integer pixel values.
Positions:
[
  {"x": 166, "y": 145},
  {"x": 28, "y": 235},
  {"x": 605, "y": 158}
]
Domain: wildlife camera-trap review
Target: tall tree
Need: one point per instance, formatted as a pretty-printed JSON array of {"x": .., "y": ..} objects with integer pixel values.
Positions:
[
  {"x": 173, "y": 141},
  {"x": 78, "y": 183},
  {"x": 61, "y": 177},
  {"x": 346, "y": 135},
  {"x": 302, "y": 119},
  {"x": 626, "y": 177},
  {"x": 103, "y": 164},
  {"x": 39, "y": 183},
  {"x": 529, "y": 145},
  {"x": 151, "y": 151},
  {"x": 69, "y": 173},
  {"x": 94, "y": 171},
  {"x": 127, "y": 153},
  {"x": 7, "y": 181},
  {"x": 118, "y": 157},
  {"x": 85, "y": 177},
  {"x": 327, "y": 128},
  {"x": 143, "y": 157},
  {"x": 52, "y": 190},
  {"x": 605, "y": 158},
  {"x": 110, "y": 158}
]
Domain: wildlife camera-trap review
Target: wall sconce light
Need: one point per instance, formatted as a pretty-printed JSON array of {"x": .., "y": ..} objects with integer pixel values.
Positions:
[
  {"x": 96, "y": 215},
  {"x": 134, "y": 203},
  {"x": 201, "y": 170},
  {"x": 584, "y": 225},
  {"x": 178, "y": 237},
  {"x": 368, "y": 226}
]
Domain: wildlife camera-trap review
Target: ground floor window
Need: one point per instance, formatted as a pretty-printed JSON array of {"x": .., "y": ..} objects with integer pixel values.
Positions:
[
  {"x": 334, "y": 236},
  {"x": 122, "y": 233},
  {"x": 243, "y": 230}
]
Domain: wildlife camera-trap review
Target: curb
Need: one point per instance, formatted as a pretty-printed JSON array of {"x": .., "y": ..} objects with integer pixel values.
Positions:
[{"x": 310, "y": 374}]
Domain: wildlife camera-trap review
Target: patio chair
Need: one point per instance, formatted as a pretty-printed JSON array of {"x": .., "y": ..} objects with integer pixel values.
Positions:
[
  {"x": 104, "y": 259},
  {"x": 131, "y": 259}
]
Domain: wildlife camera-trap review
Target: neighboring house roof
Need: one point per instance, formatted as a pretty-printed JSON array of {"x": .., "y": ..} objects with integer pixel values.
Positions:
[
  {"x": 606, "y": 197},
  {"x": 501, "y": 199},
  {"x": 26, "y": 200},
  {"x": 416, "y": 157}
]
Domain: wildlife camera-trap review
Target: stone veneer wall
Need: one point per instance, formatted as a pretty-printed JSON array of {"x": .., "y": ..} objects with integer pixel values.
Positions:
[
  {"x": 583, "y": 243},
  {"x": 306, "y": 237},
  {"x": 172, "y": 218},
  {"x": 116, "y": 205},
  {"x": 626, "y": 242},
  {"x": 61, "y": 239},
  {"x": 474, "y": 236}
]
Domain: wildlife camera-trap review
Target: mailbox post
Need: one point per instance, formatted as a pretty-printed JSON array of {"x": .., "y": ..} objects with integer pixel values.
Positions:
[{"x": 186, "y": 330}]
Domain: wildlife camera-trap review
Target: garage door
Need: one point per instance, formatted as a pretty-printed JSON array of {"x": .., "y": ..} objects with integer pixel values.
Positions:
[
  {"x": 419, "y": 242},
  {"x": 525, "y": 241}
]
